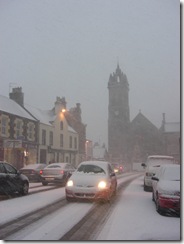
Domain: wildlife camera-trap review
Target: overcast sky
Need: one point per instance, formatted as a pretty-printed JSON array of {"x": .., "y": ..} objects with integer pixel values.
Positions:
[{"x": 69, "y": 48}]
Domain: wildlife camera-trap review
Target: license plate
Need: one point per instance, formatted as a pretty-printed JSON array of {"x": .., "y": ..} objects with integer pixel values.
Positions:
[{"x": 49, "y": 179}]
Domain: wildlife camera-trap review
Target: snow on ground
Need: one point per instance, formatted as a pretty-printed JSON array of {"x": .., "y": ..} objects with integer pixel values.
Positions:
[
  {"x": 15, "y": 207},
  {"x": 55, "y": 225},
  {"x": 135, "y": 218}
]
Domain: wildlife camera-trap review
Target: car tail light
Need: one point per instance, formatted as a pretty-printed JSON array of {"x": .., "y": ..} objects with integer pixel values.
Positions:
[
  {"x": 62, "y": 172},
  {"x": 41, "y": 172}
]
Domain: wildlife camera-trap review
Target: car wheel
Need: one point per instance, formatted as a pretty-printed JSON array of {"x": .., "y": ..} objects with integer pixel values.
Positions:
[
  {"x": 25, "y": 189},
  {"x": 44, "y": 183},
  {"x": 115, "y": 191},
  {"x": 153, "y": 199},
  {"x": 69, "y": 199},
  {"x": 145, "y": 187}
]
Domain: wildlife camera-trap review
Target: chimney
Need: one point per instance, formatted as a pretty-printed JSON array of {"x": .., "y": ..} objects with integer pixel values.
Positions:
[
  {"x": 60, "y": 104},
  {"x": 17, "y": 95}
]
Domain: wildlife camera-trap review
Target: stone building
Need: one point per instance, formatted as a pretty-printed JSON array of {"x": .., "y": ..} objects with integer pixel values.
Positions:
[
  {"x": 18, "y": 132},
  {"x": 132, "y": 141},
  {"x": 32, "y": 135},
  {"x": 171, "y": 138},
  {"x": 58, "y": 141},
  {"x": 74, "y": 119}
]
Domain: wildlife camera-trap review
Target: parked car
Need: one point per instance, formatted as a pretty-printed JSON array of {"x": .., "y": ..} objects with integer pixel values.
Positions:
[
  {"x": 152, "y": 164},
  {"x": 94, "y": 180},
  {"x": 166, "y": 189},
  {"x": 32, "y": 171},
  {"x": 118, "y": 168},
  {"x": 56, "y": 173},
  {"x": 11, "y": 180}
]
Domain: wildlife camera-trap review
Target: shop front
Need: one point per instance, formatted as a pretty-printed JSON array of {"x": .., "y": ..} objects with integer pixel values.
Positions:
[{"x": 19, "y": 153}]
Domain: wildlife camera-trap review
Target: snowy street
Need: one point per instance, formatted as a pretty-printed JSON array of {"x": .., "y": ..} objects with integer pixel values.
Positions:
[{"x": 133, "y": 218}]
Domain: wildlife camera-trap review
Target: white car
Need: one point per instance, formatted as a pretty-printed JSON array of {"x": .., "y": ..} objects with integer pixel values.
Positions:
[
  {"x": 166, "y": 189},
  {"x": 152, "y": 165},
  {"x": 94, "y": 180}
]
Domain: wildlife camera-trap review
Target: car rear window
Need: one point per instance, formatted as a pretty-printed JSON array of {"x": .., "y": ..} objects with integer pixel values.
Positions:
[
  {"x": 172, "y": 173},
  {"x": 55, "y": 166},
  {"x": 157, "y": 161}
]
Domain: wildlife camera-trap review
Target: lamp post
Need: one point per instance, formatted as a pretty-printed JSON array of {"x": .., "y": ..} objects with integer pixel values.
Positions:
[{"x": 86, "y": 149}]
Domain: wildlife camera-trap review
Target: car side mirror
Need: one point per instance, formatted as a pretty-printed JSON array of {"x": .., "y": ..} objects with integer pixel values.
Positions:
[
  {"x": 112, "y": 174},
  {"x": 143, "y": 165},
  {"x": 154, "y": 178}
]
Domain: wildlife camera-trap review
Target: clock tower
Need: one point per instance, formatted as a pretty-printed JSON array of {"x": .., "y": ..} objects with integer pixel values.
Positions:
[{"x": 118, "y": 117}]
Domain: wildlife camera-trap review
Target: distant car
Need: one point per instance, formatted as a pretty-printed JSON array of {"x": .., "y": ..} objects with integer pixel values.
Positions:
[
  {"x": 56, "y": 173},
  {"x": 32, "y": 171},
  {"x": 11, "y": 180},
  {"x": 166, "y": 189},
  {"x": 93, "y": 180},
  {"x": 118, "y": 168},
  {"x": 152, "y": 165}
]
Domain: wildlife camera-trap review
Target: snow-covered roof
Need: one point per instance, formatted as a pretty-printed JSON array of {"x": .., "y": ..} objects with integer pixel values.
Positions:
[
  {"x": 44, "y": 116},
  {"x": 172, "y": 127},
  {"x": 10, "y": 106},
  {"x": 71, "y": 129}
]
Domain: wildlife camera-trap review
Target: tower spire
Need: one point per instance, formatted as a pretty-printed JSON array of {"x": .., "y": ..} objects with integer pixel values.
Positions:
[{"x": 117, "y": 62}]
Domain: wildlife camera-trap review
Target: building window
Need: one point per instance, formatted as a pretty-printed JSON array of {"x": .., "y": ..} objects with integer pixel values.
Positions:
[
  {"x": 18, "y": 128},
  {"x": 61, "y": 140},
  {"x": 43, "y": 137},
  {"x": 61, "y": 125},
  {"x": 51, "y": 138},
  {"x": 75, "y": 143},
  {"x": 31, "y": 131},
  {"x": 4, "y": 126},
  {"x": 70, "y": 142}
]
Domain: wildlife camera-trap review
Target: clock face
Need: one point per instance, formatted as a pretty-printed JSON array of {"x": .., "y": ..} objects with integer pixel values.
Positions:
[{"x": 116, "y": 112}]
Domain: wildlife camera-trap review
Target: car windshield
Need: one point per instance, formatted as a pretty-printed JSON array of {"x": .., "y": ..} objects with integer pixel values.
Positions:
[
  {"x": 90, "y": 169},
  {"x": 171, "y": 173},
  {"x": 34, "y": 166}
]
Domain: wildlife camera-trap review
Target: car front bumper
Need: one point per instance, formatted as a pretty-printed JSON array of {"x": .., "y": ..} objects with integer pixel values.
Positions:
[{"x": 91, "y": 194}]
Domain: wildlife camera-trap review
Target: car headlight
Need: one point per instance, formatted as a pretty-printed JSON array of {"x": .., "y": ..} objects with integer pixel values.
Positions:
[
  {"x": 69, "y": 183},
  {"x": 102, "y": 185}
]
